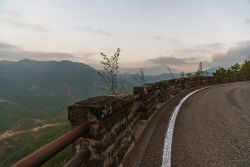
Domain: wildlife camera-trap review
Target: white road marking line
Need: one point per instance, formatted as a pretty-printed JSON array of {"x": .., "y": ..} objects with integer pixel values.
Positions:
[{"x": 166, "y": 159}]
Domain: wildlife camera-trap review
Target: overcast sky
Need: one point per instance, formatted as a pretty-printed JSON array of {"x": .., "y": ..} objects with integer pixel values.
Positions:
[{"x": 151, "y": 33}]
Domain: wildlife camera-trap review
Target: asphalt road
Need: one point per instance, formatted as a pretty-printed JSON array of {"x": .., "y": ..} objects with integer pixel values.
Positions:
[{"x": 212, "y": 128}]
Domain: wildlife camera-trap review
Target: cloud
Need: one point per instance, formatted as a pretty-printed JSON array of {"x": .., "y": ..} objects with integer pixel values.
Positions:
[
  {"x": 34, "y": 27},
  {"x": 207, "y": 48},
  {"x": 189, "y": 58},
  {"x": 214, "y": 45},
  {"x": 239, "y": 53},
  {"x": 11, "y": 14},
  {"x": 161, "y": 38},
  {"x": 14, "y": 19},
  {"x": 212, "y": 55},
  {"x": 4, "y": 46},
  {"x": 247, "y": 21},
  {"x": 172, "y": 61},
  {"x": 11, "y": 52},
  {"x": 93, "y": 30}
]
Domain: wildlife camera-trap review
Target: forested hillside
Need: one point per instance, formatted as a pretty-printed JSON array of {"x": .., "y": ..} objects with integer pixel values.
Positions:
[
  {"x": 43, "y": 89},
  {"x": 34, "y": 96}
]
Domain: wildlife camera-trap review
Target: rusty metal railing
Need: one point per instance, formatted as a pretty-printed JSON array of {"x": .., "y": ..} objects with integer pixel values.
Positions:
[{"x": 48, "y": 151}]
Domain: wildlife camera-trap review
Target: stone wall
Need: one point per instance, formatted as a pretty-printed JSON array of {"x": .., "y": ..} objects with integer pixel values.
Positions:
[{"x": 111, "y": 119}]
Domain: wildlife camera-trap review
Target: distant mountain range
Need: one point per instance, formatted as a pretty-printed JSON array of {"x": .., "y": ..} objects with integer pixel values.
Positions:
[{"x": 42, "y": 90}]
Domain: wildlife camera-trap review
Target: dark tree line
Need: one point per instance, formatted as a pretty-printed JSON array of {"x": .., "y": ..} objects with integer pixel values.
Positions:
[
  {"x": 235, "y": 70},
  {"x": 198, "y": 73}
]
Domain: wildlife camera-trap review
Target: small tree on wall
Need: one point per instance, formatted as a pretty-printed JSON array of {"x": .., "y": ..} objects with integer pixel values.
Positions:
[
  {"x": 111, "y": 72},
  {"x": 139, "y": 77}
]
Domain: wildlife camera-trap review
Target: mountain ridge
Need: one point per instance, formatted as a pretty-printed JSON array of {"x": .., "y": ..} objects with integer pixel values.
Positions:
[{"x": 45, "y": 88}]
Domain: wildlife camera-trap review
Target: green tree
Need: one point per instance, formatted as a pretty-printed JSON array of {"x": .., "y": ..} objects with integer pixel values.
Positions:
[
  {"x": 245, "y": 69},
  {"x": 189, "y": 75},
  {"x": 234, "y": 70},
  {"x": 220, "y": 72},
  {"x": 183, "y": 75},
  {"x": 199, "y": 74}
]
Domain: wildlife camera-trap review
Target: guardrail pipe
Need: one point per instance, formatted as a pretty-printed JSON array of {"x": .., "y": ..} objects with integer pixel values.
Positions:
[{"x": 48, "y": 151}]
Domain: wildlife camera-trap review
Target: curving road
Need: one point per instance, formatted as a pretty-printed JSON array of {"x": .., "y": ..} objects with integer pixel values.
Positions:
[{"x": 212, "y": 128}]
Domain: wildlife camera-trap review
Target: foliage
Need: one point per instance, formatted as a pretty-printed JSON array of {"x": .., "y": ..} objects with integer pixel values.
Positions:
[
  {"x": 33, "y": 89},
  {"x": 235, "y": 70},
  {"x": 220, "y": 72},
  {"x": 113, "y": 83},
  {"x": 40, "y": 90},
  {"x": 245, "y": 69},
  {"x": 193, "y": 75},
  {"x": 139, "y": 77},
  {"x": 17, "y": 147},
  {"x": 199, "y": 74},
  {"x": 182, "y": 75}
]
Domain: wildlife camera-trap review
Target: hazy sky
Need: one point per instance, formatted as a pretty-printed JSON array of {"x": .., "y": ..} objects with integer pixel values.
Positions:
[{"x": 150, "y": 33}]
